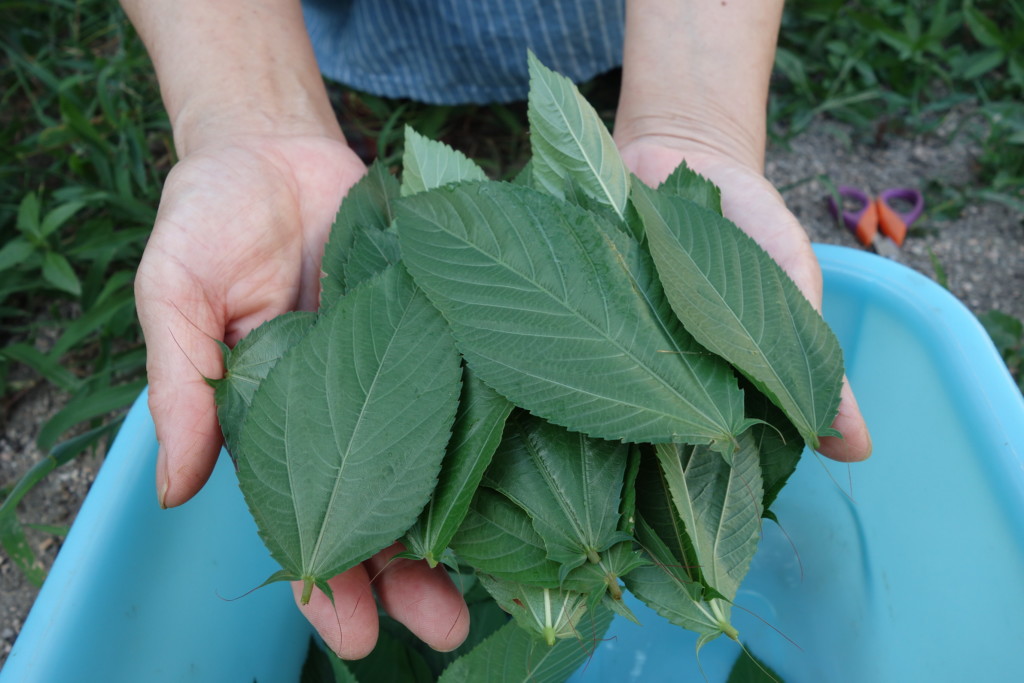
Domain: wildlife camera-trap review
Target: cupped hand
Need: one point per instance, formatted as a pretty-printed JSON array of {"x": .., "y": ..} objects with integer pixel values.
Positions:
[
  {"x": 750, "y": 201},
  {"x": 238, "y": 240}
]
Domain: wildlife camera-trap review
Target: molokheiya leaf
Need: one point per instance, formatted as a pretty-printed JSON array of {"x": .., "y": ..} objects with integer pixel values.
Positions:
[
  {"x": 779, "y": 445},
  {"x": 569, "y": 484},
  {"x": 545, "y": 311},
  {"x": 569, "y": 140},
  {"x": 323, "y": 666},
  {"x": 740, "y": 304},
  {"x": 246, "y": 366},
  {"x": 478, "y": 427},
  {"x": 749, "y": 669},
  {"x": 368, "y": 204},
  {"x": 485, "y": 617},
  {"x": 525, "y": 175},
  {"x": 430, "y": 163},
  {"x": 392, "y": 659},
  {"x": 343, "y": 441},
  {"x": 720, "y": 505},
  {"x": 512, "y": 654},
  {"x": 671, "y": 583},
  {"x": 684, "y": 182},
  {"x": 497, "y": 537},
  {"x": 371, "y": 252},
  {"x": 603, "y": 576},
  {"x": 665, "y": 587},
  {"x": 546, "y": 612},
  {"x": 627, "y": 511}
]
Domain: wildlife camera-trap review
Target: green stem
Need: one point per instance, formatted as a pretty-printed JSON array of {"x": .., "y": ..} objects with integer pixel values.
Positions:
[{"x": 307, "y": 590}]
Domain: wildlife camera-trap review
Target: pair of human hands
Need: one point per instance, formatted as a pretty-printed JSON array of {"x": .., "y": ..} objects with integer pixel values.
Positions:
[{"x": 238, "y": 240}]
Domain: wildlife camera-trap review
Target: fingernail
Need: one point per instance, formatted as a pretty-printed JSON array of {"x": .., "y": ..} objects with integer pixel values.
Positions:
[{"x": 162, "y": 482}]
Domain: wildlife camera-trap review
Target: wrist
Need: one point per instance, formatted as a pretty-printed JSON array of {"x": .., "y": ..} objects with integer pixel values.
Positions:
[
  {"x": 695, "y": 76},
  {"x": 201, "y": 121},
  {"x": 233, "y": 68},
  {"x": 697, "y": 132}
]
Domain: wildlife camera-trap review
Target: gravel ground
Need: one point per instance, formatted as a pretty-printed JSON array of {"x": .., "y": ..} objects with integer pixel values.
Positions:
[{"x": 981, "y": 251}]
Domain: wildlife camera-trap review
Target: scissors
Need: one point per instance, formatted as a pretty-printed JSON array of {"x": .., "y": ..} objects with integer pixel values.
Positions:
[{"x": 878, "y": 214}]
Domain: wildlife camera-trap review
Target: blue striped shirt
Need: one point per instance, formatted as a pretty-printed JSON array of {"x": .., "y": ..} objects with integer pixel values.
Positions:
[{"x": 461, "y": 51}]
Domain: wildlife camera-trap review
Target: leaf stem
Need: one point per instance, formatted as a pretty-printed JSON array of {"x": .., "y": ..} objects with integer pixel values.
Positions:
[{"x": 307, "y": 589}]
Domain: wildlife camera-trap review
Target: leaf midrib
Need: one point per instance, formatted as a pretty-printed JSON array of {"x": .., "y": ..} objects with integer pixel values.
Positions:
[
  {"x": 567, "y": 127},
  {"x": 785, "y": 396},
  {"x": 577, "y": 315},
  {"x": 355, "y": 429}
]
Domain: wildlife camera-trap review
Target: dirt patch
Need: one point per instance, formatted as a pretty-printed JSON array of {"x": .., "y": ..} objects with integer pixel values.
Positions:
[
  {"x": 981, "y": 252},
  {"x": 52, "y": 503}
]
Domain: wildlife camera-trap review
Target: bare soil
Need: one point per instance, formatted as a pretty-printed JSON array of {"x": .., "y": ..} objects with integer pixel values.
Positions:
[{"x": 981, "y": 252}]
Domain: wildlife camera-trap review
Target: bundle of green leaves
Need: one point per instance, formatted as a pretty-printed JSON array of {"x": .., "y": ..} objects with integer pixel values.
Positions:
[{"x": 556, "y": 386}]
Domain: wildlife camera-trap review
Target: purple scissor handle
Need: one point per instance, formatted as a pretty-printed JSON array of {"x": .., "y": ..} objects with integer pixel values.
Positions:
[{"x": 874, "y": 214}]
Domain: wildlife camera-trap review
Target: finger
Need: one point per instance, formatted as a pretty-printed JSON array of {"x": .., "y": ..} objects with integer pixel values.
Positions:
[
  {"x": 179, "y": 355},
  {"x": 855, "y": 445},
  {"x": 349, "y": 625},
  {"x": 423, "y": 599}
]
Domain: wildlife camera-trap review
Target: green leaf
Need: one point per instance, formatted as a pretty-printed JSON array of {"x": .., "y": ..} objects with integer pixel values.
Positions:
[
  {"x": 87, "y": 406},
  {"x": 511, "y": 654},
  {"x": 14, "y": 252},
  {"x": 248, "y": 364},
  {"x": 485, "y": 617},
  {"x": 670, "y": 585},
  {"x": 549, "y": 613},
  {"x": 749, "y": 669},
  {"x": 569, "y": 484},
  {"x": 322, "y": 666},
  {"x": 12, "y": 534},
  {"x": 984, "y": 30},
  {"x": 546, "y": 309},
  {"x": 602, "y": 577},
  {"x": 740, "y": 304},
  {"x": 17, "y": 547},
  {"x": 368, "y": 205},
  {"x": 570, "y": 141},
  {"x": 428, "y": 164},
  {"x": 371, "y": 252},
  {"x": 28, "y": 218},
  {"x": 477, "y": 431},
  {"x": 391, "y": 660},
  {"x": 498, "y": 538},
  {"x": 58, "y": 216},
  {"x": 47, "y": 366},
  {"x": 720, "y": 505},
  {"x": 666, "y": 587},
  {"x": 59, "y": 273},
  {"x": 778, "y": 445},
  {"x": 344, "y": 438},
  {"x": 686, "y": 183}
]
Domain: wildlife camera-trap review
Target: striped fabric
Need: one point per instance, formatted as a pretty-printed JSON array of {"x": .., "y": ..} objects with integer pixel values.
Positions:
[{"x": 461, "y": 51}]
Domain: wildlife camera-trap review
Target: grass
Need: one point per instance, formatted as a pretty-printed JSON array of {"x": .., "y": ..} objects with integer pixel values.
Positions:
[{"x": 85, "y": 145}]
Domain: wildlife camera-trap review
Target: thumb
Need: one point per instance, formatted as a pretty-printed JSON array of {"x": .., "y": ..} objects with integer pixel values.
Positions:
[{"x": 180, "y": 356}]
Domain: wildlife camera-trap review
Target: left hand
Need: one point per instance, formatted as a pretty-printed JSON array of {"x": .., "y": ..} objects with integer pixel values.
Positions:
[{"x": 750, "y": 201}]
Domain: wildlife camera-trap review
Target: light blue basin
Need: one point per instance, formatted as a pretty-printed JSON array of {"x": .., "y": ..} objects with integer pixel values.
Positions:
[{"x": 909, "y": 567}]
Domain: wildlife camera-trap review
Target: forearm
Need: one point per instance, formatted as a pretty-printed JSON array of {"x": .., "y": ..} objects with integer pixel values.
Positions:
[
  {"x": 233, "y": 67},
  {"x": 698, "y": 70}
]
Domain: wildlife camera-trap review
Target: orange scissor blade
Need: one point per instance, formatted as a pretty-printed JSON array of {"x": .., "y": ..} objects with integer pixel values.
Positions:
[
  {"x": 890, "y": 223},
  {"x": 867, "y": 226}
]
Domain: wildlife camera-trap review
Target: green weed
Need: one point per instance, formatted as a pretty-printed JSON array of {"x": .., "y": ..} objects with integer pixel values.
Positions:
[
  {"x": 1007, "y": 334},
  {"x": 84, "y": 146}
]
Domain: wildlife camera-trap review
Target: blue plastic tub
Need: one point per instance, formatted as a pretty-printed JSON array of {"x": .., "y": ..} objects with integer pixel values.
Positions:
[{"x": 909, "y": 567}]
